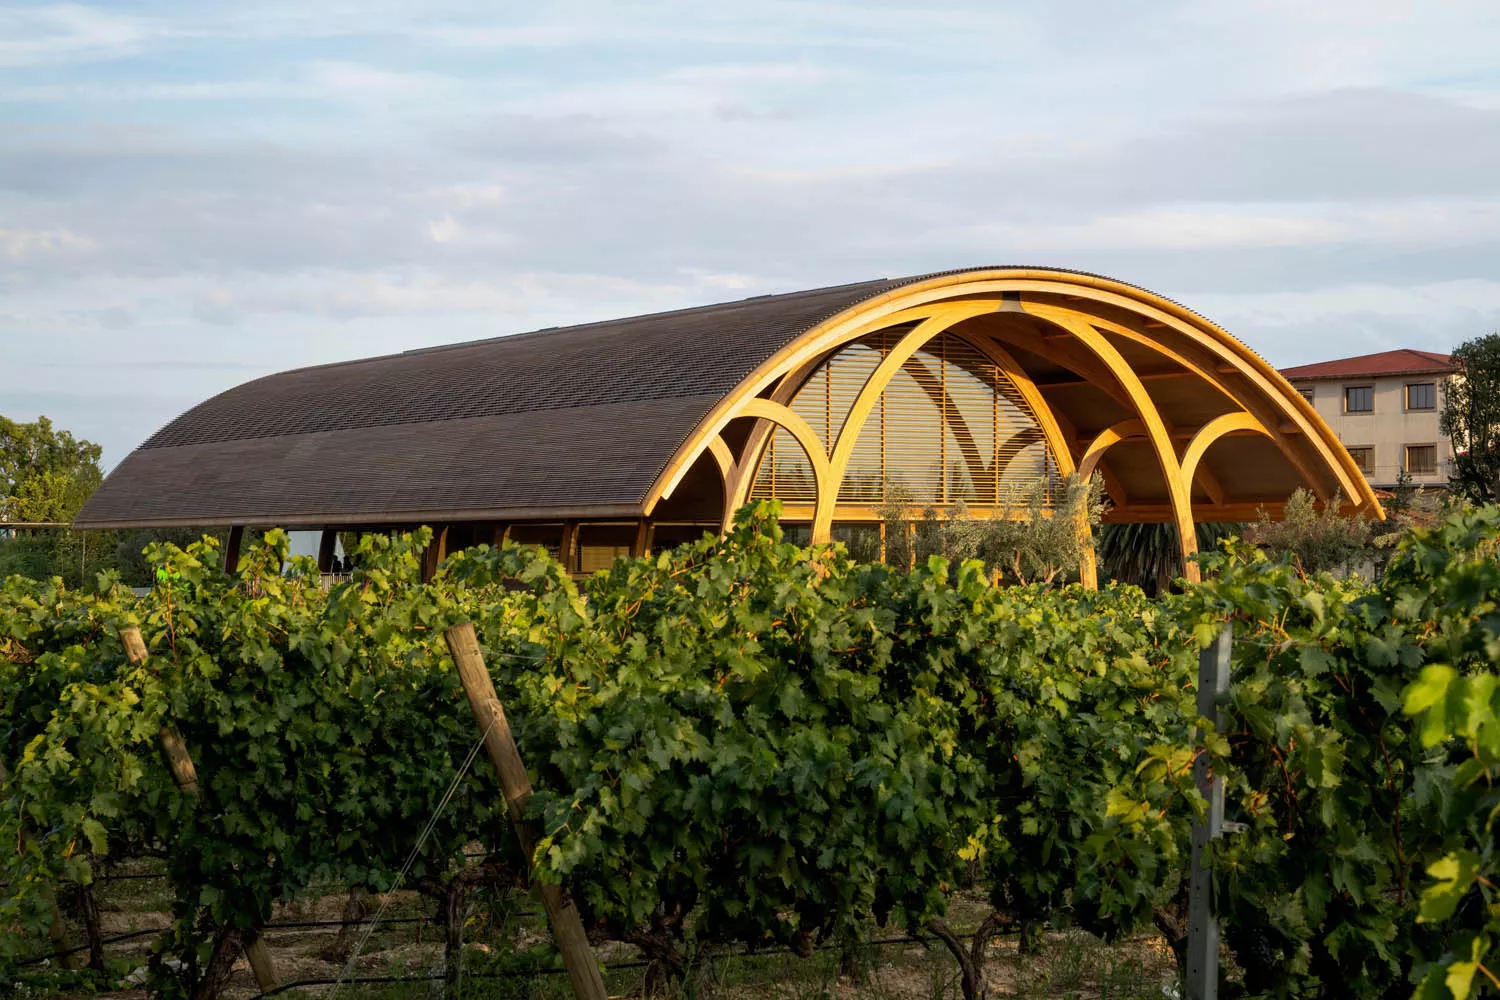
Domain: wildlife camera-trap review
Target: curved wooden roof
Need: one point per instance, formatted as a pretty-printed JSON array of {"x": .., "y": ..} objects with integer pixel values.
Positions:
[{"x": 604, "y": 419}]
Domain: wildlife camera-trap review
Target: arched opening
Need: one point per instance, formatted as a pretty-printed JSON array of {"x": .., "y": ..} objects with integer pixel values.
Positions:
[{"x": 950, "y": 426}]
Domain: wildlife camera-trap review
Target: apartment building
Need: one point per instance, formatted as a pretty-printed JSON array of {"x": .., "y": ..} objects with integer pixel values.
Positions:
[{"x": 1384, "y": 408}]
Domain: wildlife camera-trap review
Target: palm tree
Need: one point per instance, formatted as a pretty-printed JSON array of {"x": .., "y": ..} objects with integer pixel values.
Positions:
[{"x": 1148, "y": 555}]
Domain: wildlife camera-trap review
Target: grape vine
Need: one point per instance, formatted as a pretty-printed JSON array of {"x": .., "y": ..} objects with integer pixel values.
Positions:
[{"x": 744, "y": 742}]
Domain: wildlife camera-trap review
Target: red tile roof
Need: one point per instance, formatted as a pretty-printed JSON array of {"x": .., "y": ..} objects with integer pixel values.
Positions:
[{"x": 1402, "y": 362}]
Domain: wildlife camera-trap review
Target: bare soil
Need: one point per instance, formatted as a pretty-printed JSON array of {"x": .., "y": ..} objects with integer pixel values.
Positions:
[{"x": 409, "y": 943}]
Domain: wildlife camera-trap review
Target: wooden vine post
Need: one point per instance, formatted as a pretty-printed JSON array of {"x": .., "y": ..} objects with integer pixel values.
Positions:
[
  {"x": 562, "y": 915},
  {"x": 186, "y": 776}
]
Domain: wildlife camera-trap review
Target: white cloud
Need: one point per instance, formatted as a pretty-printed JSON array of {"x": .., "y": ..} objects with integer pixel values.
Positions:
[
  {"x": 24, "y": 245},
  {"x": 1300, "y": 327},
  {"x": 32, "y": 35},
  {"x": 351, "y": 79},
  {"x": 282, "y": 183},
  {"x": 1234, "y": 226},
  {"x": 225, "y": 90},
  {"x": 1406, "y": 303}
]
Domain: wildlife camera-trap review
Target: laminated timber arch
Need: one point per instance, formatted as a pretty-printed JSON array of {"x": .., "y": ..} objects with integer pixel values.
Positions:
[{"x": 1083, "y": 353}]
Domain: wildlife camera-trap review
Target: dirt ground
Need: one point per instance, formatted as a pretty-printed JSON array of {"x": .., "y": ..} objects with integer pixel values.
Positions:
[{"x": 409, "y": 943}]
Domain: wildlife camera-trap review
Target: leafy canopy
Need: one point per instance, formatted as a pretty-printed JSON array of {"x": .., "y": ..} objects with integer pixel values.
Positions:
[
  {"x": 45, "y": 474},
  {"x": 1471, "y": 418}
]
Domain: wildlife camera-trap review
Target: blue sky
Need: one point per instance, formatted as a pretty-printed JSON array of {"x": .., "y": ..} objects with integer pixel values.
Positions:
[{"x": 192, "y": 195}]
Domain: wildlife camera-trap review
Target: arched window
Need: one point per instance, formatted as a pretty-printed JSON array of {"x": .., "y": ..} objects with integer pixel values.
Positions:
[{"x": 949, "y": 427}]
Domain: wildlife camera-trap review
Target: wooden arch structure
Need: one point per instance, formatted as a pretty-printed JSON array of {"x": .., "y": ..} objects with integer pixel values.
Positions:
[
  {"x": 1072, "y": 331},
  {"x": 635, "y": 434}
]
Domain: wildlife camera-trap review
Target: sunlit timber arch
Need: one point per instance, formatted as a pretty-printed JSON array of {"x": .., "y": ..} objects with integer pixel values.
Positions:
[{"x": 1100, "y": 365}]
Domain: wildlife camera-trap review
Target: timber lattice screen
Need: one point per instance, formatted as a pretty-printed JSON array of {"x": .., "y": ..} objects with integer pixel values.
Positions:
[{"x": 949, "y": 427}]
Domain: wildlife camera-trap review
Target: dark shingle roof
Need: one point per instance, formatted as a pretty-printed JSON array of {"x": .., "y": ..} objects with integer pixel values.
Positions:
[{"x": 579, "y": 416}]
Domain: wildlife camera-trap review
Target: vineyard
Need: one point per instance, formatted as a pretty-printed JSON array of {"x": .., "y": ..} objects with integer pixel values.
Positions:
[{"x": 742, "y": 746}]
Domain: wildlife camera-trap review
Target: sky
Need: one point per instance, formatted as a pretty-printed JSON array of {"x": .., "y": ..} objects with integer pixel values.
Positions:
[{"x": 193, "y": 195}]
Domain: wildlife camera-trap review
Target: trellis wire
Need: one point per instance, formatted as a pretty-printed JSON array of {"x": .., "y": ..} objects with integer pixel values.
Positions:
[
  {"x": 411, "y": 859},
  {"x": 612, "y": 967}
]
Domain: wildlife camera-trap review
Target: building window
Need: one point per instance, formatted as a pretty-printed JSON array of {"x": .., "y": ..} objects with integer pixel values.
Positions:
[
  {"x": 1359, "y": 399},
  {"x": 1307, "y": 392},
  {"x": 1364, "y": 457},
  {"x": 1421, "y": 396},
  {"x": 1421, "y": 459}
]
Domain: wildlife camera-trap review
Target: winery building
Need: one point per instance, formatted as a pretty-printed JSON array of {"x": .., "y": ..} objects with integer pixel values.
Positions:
[{"x": 632, "y": 434}]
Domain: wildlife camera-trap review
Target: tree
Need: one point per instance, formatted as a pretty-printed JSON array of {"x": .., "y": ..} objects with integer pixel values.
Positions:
[
  {"x": 1149, "y": 556},
  {"x": 1471, "y": 419},
  {"x": 1037, "y": 536},
  {"x": 45, "y": 474},
  {"x": 1319, "y": 538}
]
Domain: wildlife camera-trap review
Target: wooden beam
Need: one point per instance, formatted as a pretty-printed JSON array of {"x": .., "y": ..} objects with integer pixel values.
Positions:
[
  {"x": 1206, "y": 435},
  {"x": 1074, "y": 443},
  {"x": 754, "y": 448},
  {"x": 644, "y": 529},
  {"x": 1102, "y": 441},
  {"x": 942, "y": 317},
  {"x": 232, "y": 549},
  {"x": 800, "y": 429},
  {"x": 567, "y": 549},
  {"x": 1061, "y": 350},
  {"x": 1066, "y": 381},
  {"x": 1177, "y": 336},
  {"x": 326, "y": 546},
  {"x": 1145, "y": 407},
  {"x": 1200, "y": 358},
  {"x": 436, "y": 551},
  {"x": 1103, "y": 374}
]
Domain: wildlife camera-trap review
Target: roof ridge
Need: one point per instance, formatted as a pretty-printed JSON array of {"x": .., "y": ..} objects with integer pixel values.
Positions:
[
  {"x": 525, "y": 334},
  {"x": 1434, "y": 355},
  {"x": 887, "y": 283},
  {"x": 1395, "y": 361},
  {"x": 509, "y": 373},
  {"x": 630, "y": 319}
]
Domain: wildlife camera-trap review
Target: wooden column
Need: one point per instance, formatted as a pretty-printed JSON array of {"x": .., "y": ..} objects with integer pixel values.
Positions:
[
  {"x": 180, "y": 762},
  {"x": 567, "y": 928},
  {"x": 326, "y": 546},
  {"x": 644, "y": 530},
  {"x": 232, "y": 548},
  {"x": 436, "y": 550},
  {"x": 567, "y": 551}
]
